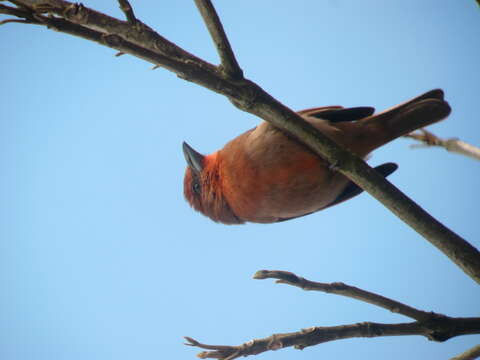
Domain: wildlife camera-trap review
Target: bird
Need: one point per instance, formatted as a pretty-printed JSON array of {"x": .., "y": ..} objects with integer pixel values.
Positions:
[{"x": 266, "y": 176}]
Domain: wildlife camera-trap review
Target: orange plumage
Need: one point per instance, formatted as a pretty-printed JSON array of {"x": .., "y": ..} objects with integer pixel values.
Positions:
[{"x": 264, "y": 176}]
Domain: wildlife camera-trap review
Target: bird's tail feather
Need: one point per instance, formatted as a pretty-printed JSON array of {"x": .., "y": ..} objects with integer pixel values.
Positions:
[{"x": 402, "y": 119}]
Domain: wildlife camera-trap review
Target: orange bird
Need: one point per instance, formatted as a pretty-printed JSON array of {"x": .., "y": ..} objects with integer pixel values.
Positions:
[{"x": 264, "y": 176}]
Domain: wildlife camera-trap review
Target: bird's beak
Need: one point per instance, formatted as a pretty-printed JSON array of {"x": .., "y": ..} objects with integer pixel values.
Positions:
[{"x": 194, "y": 158}]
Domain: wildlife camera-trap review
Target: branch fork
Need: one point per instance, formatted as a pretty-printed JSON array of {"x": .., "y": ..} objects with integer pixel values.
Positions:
[{"x": 433, "y": 326}]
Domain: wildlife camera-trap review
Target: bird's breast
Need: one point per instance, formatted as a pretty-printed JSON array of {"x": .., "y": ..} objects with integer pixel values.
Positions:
[{"x": 267, "y": 176}]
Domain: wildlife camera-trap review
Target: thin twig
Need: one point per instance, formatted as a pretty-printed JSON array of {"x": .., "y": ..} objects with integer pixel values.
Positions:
[
  {"x": 227, "y": 57},
  {"x": 454, "y": 145},
  {"x": 470, "y": 354},
  {"x": 338, "y": 288},
  {"x": 440, "y": 330},
  {"x": 19, "y": 21},
  {"x": 128, "y": 11}
]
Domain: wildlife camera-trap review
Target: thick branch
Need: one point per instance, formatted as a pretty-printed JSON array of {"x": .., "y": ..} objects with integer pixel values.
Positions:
[
  {"x": 452, "y": 144},
  {"x": 248, "y": 96},
  {"x": 339, "y": 288},
  {"x": 440, "y": 330},
  {"x": 215, "y": 27}
]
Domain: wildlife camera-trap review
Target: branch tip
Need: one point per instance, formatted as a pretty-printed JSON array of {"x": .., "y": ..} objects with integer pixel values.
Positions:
[
  {"x": 191, "y": 341},
  {"x": 260, "y": 275},
  {"x": 340, "y": 288}
]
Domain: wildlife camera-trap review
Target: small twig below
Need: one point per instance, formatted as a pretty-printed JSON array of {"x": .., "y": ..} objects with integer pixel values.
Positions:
[
  {"x": 338, "y": 288},
  {"x": 440, "y": 330}
]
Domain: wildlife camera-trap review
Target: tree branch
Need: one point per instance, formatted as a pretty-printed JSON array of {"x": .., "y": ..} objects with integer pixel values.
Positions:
[
  {"x": 215, "y": 27},
  {"x": 470, "y": 354},
  {"x": 433, "y": 326},
  {"x": 25, "y": 16},
  {"x": 454, "y": 145},
  {"x": 128, "y": 11},
  {"x": 342, "y": 289},
  {"x": 143, "y": 42},
  {"x": 440, "y": 329}
]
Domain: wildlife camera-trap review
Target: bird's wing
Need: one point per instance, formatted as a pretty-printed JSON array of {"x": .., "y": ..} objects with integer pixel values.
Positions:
[{"x": 338, "y": 113}]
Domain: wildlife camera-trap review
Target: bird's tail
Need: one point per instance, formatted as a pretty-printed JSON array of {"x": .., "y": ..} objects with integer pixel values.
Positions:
[{"x": 402, "y": 119}]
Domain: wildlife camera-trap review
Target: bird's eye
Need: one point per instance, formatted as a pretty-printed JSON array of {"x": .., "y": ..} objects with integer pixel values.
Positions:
[{"x": 196, "y": 187}]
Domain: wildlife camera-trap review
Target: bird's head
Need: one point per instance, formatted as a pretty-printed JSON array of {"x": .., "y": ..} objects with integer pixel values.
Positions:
[{"x": 203, "y": 186}]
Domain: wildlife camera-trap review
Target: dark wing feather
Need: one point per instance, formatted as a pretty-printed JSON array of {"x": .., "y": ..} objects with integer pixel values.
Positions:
[
  {"x": 349, "y": 114},
  {"x": 339, "y": 114},
  {"x": 353, "y": 189}
]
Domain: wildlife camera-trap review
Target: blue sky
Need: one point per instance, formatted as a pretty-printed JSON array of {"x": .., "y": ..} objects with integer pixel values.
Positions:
[{"x": 101, "y": 257}]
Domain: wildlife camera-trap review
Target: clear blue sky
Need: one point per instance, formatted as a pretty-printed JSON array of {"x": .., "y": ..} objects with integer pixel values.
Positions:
[{"x": 101, "y": 257}]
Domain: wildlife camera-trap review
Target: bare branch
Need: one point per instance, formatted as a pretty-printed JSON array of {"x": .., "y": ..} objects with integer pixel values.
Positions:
[
  {"x": 433, "y": 326},
  {"x": 440, "y": 329},
  {"x": 7, "y": 21},
  {"x": 25, "y": 16},
  {"x": 470, "y": 354},
  {"x": 229, "y": 62},
  {"x": 339, "y": 288},
  {"x": 452, "y": 144},
  {"x": 144, "y": 43}
]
